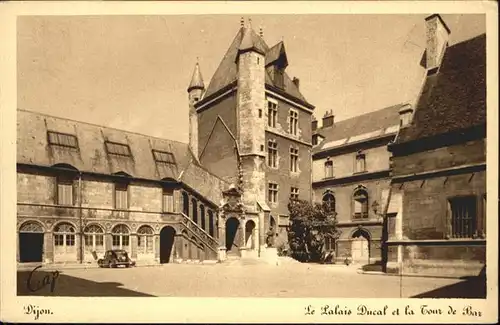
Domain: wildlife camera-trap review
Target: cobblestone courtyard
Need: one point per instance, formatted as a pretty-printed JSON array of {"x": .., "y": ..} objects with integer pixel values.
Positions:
[{"x": 293, "y": 280}]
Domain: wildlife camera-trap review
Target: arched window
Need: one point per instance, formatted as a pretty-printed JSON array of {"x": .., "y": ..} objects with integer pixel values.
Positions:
[
  {"x": 211, "y": 223},
  {"x": 360, "y": 199},
  {"x": 202, "y": 216},
  {"x": 329, "y": 201},
  {"x": 145, "y": 239},
  {"x": 94, "y": 238},
  {"x": 121, "y": 237},
  {"x": 328, "y": 168},
  {"x": 64, "y": 237},
  {"x": 185, "y": 203},
  {"x": 195, "y": 210}
]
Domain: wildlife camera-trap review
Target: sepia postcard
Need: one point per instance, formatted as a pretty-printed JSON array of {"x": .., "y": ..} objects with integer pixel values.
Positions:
[{"x": 312, "y": 162}]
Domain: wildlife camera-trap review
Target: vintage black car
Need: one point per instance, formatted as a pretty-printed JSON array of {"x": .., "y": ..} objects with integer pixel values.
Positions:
[{"x": 115, "y": 258}]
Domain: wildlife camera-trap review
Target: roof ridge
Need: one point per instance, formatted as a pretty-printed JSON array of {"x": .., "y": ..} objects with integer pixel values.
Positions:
[
  {"x": 101, "y": 126},
  {"x": 372, "y": 112}
]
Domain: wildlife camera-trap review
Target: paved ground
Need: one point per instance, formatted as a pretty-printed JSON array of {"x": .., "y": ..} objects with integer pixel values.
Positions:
[{"x": 289, "y": 280}]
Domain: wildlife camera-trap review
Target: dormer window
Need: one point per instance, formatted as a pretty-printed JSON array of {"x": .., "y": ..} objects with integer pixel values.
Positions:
[
  {"x": 164, "y": 157},
  {"x": 62, "y": 139},
  {"x": 119, "y": 149},
  {"x": 279, "y": 78}
]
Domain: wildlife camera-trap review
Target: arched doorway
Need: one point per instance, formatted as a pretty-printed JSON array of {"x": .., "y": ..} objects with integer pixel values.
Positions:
[
  {"x": 232, "y": 226},
  {"x": 31, "y": 242},
  {"x": 167, "y": 237},
  {"x": 94, "y": 241},
  {"x": 64, "y": 242},
  {"x": 360, "y": 246},
  {"x": 250, "y": 234}
]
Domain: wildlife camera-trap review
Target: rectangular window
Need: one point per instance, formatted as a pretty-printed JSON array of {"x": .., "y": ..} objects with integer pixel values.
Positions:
[
  {"x": 121, "y": 196},
  {"x": 273, "y": 192},
  {"x": 272, "y": 113},
  {"x": 294, "y": 160},
  {"x": 360, "y": 163},
  {"x": 272, "y": 153},
  {"x": 119, "y": 149},
  {"x": 164, "y": 157},
  {"x": 294, "y": 193},
  {"x": 99, "y": 240},
  {"x": 293, "y": 121},
  {"x": 62, "y": 139},
  {"x": 64, "y": 192},
  {"x": 116, "y": 240},
  {"x": 70, "y": 240},
  {"x": 168, "y": 200},
  {"x": 328, "y": 169},
  {"x": 463, "y": 212},
  {"x": 58, "y": 240}
]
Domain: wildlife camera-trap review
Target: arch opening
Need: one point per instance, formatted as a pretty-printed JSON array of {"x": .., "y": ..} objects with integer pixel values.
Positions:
[
  {"x": 167, "y": 239},
  {"x": 232, "y": 233},
  {"x": 31, "y": 238}
]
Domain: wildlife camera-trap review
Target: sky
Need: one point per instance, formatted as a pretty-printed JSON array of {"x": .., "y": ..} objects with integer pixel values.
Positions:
[{"x": 132, "y": 72}]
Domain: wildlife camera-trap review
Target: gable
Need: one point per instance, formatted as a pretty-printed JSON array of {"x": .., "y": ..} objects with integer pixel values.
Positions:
[{"x": 220, "y": 156}]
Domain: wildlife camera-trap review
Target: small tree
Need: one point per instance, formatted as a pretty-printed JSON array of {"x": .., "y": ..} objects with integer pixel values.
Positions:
[{"x": 309, "y": 223}]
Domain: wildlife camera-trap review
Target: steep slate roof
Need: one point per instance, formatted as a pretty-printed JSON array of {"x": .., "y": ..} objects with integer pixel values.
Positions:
[
  {"x": 227, "y": 73},
  {"x": 373, "y": 124},
  {"x": 454, "y": 98},
  {"x": 33, "y": 149}
]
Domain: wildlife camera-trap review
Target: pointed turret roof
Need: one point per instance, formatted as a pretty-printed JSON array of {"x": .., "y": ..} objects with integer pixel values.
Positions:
[
  {"x": 251, "y": 41},
  {"x": 227, "y": 72},
  {"x": 196, "y": 79}
]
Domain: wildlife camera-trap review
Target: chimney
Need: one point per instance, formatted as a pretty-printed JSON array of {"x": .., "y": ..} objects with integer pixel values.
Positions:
[
  {"x": 437, "y": 34},
  {"x": 405, "y": 115},
  {"x": 328, "y": 119},
  {"x": 296, "y": 81},
  {"x": 314, "y": 124}
]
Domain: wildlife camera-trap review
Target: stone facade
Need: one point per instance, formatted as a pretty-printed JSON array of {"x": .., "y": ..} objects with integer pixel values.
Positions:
[
  {"x": 353, "y": 157},
  {"x": 40, "y": 216},
  {"x": 438, "y": 176}
]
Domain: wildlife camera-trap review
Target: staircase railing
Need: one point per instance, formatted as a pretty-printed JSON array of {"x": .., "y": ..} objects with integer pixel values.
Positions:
[{"x": 200, "y": 233}]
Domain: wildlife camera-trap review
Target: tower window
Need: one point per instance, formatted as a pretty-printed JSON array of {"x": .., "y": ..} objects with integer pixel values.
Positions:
[
  {"x": 294, "y": 122},
  {"x": 272, "y": 154},
  {"x": 294, "y": 159},
  {"x": 273, "y": 192},
  {"x": 272, "y": 113},
  {"x": 294, "y": 193}
]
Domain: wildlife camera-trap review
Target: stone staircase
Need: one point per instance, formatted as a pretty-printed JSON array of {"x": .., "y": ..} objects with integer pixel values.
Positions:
[{"x": 202, "y": 236}]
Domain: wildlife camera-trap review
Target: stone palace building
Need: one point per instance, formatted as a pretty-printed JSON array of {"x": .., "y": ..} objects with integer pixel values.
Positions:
[{"x": 408, "y": 184}]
